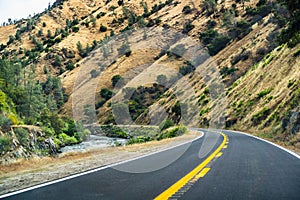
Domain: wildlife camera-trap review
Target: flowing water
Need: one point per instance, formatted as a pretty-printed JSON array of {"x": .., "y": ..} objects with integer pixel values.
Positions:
[{"x": 94, "y": 142}]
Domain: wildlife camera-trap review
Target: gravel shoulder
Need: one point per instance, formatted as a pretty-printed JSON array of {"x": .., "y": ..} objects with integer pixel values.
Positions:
[{"x": 26, "y": 173}]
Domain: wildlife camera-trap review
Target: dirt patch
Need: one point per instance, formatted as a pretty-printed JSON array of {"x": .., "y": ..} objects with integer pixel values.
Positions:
[{"x": 27, "y": 173}]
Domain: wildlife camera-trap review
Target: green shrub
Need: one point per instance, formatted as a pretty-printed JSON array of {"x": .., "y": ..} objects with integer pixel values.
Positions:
[
  {"x": 161, "y": 79},
  {"x": 291, "y": 83},
  {"x": 166, "y": 124},
  {"x": 240, "y": 29},
  {"x": 176, "y": 109},
  {"x": 57, "y": 61},
  {"x": 114, "y": 131},
  {"x": 120, "y": 2},
  {"x": 5, "y": 122},
  {"x": 207, "y": 36},
  {"x": 139, "y": 139},
  {"x": 261, "y": 115},
  {"x": 67, "y": 140},
  {"x": 225, "y": 71},
  {"x": 204, "y": 111},
  {"x": 211, "y": 24},
  {"x": 187, "y": 69},
  {"x": 100, "y": 103},
  {"x": 206, "y": 101},
  {"x": 101, "y": 14},
  {"x": 75, "y": 29},
  {"x": 124, "y": 49},
  {"x": 103, "y": 28},
  {"x": 11, "y": 39},
  {"x": 186, "y": 9},
  {"x": 201, "y": 97},
  {"x": 82, "y": 135},
  {"x": 240, "y": 57},
  {"x": 70, "y": 65},
  {"x": 5, "y": 143},
  {"x": 297, "y": 53},
  {"x": 264, "y": 93},
  {"x": 94, "y": 73},
  {"x": 128, "y": 91},
  {"x": 217, "y": 44},
  {"x": 22, "y": 135},
  {"x": 117, "y": 79},
  {"x": 177, "y": 131},
  {"x": 106, "y": 93},
  {"x": 178, "y": 51},
  {"x": 48, "y": 131},
  {"x": 187, "y": 27},
  {"x": 206, "y": 91}
]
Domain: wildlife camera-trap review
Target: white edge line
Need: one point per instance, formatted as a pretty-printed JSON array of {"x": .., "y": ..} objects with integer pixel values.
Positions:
[
  {"x": 276, "y": 145},
  {"x": 95, "y": 170}
]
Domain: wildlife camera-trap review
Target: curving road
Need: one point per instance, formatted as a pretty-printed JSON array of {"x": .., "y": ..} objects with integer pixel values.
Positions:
[{"x": 216, "y": 166}]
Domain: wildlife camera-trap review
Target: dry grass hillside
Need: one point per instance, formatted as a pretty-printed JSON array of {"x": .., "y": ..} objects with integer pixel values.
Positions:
[{"x": 244, "y": 80}]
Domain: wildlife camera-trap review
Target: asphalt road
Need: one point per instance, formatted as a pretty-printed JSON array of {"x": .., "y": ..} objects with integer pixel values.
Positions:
[{"x": 245, "y": 168}]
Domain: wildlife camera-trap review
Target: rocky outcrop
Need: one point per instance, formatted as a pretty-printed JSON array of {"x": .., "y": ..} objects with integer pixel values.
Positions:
[
  {"x": 25, "y": 142},
  {"x": 291, "y": 124}
]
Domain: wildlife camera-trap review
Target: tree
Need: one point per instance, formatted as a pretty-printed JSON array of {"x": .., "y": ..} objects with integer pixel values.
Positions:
[
  {"x": 125, "y": 49},
  {"x": 35, "y": 100},
  {"x": 89, "y": 113},
  {"x": 217, "y": 44},
  {"x": 70, "y": 65},
  {"x": 49, "y": 35},
  {"x": 106, "y": 93},
  {"x": 209, "y": 6},
  {"x": 94, "y": 73},
  {"x": 291, "y": 33},
  {"x": 11, "y": 39},
  {"x": 120, "y": 2},
  {"x": 57, "y": 61},
  {"x": 161, "y": 79},
  {"x": 18, "y": 35},
  {"x": 187, "y": 27},
  {"x": 40, "y": 33},
  {"x": 189, "y": 68},
  {"x": 103, "y": 28},
  {"x": 117, "y": 79},
  {"x": 166, "y": 124},
  {"x": 93, "y": 20},
  {"x": 186, "y": 9},
  {"x": 145, "y": 7},
  {"x": 80, "y": 49}
]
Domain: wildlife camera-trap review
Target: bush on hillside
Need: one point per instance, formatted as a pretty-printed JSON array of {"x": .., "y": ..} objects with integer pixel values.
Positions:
[
  {"x": 22, "y": 135},
  {"x": 166, "y": 124},
  {"x": 5, "y": 143},
  {"x": 177, "y": 131}
]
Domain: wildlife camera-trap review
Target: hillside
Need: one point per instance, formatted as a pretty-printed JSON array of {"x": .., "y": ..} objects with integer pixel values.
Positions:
[{"x": 218, "y": 64}]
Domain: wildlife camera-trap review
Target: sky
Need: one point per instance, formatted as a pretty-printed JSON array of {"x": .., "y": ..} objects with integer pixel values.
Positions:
[{"x": 18, "y": 9}]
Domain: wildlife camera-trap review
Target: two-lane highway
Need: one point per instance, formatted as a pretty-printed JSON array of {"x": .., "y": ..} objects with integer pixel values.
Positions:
[
  {"x": 237, "y": 167},
  {"x": 250, "y": 169}
]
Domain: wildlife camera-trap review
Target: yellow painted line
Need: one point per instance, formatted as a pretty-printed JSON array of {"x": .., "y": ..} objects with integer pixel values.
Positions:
[
  {"x": 225, "y": 147},
  {"x": 179, "y": 184},
  {"x": 219, "y": 154},
  {"x": 202, "y": 173}
]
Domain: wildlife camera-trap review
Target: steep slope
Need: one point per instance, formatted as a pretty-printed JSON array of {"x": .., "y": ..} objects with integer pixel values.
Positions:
[{"x": 238, "y": 77}]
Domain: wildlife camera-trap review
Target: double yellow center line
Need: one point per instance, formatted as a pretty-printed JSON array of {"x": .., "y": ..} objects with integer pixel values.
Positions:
[{"x": 179, "y": 184}]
